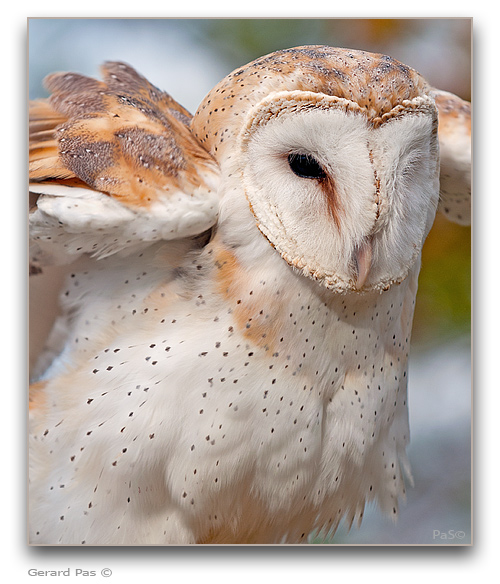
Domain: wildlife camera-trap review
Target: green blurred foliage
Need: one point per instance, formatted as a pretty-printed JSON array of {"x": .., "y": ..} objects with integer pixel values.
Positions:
[
  {"x": 443, "y": 308},
  {"x": 241, "y": 40},
  {"x": 440, "y": 48}
]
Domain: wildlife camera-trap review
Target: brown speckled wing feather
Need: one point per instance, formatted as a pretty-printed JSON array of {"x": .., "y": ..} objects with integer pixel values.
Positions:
[
  {"x": 121, "y": 136},
  {"x": 113, "y": 165},
  {"x": 454, "y": 133},
  {"x": 43, "y": 150}
]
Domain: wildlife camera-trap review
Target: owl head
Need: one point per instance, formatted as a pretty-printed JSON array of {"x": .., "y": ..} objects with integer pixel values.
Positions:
[{"x": 337, "y": 155}]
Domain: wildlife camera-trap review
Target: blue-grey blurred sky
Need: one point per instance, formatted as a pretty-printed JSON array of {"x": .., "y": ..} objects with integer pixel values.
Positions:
[
  {"x": 187, "y": 57},
  {"x": 167, "y": 52}
]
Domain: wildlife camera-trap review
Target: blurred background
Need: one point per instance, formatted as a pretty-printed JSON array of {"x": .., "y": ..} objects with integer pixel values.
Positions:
[{"x": 186, "y": 58}]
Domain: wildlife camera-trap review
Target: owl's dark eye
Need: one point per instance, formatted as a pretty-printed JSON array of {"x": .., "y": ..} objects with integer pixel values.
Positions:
[{"x": 305, "y": 166}]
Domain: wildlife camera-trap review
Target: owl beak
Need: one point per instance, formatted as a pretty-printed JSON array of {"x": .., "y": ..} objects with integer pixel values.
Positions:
[{"x": 363, "y": 258}]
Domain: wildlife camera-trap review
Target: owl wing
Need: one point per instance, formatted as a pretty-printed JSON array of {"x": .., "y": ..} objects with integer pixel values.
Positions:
[
  {"x": 454, "y": 134},
  {"x": 113, "y": 167}
]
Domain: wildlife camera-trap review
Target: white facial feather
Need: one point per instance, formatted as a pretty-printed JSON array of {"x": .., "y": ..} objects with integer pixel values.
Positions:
[{"x": 382, "y": 187}]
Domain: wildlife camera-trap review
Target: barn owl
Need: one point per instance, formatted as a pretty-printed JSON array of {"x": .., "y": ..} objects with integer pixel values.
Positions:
[{"x": 229, "y": 364}]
